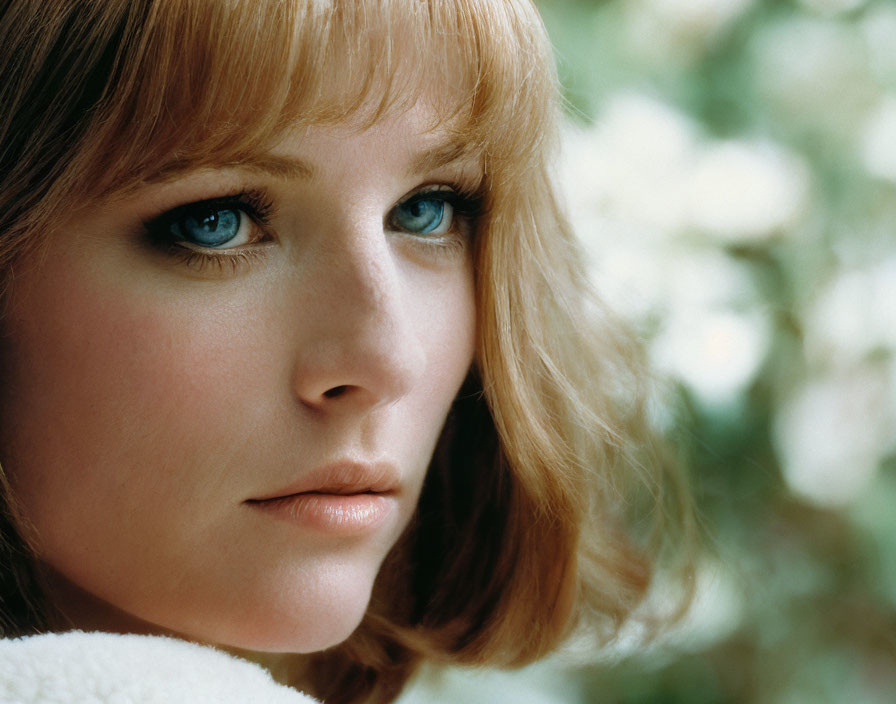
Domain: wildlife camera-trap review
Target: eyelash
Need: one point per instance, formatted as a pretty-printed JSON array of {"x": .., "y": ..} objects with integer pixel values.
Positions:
[
  {"x": 466, "y": 207},
  {"x": 253, "y": 203}
]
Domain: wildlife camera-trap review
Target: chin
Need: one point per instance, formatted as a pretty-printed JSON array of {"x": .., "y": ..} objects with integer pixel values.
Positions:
[
  {"x": 307, "y": 620},
  {"x": 307, "y": 636}
]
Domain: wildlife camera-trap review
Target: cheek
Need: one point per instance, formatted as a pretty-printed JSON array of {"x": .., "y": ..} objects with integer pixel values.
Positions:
[
  {"x": 108, "y": 388},
  {"x": 444, "y": 314}
]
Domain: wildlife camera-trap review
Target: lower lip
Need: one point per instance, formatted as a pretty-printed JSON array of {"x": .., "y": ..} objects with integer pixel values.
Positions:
[{"x": 342, "y": 514}]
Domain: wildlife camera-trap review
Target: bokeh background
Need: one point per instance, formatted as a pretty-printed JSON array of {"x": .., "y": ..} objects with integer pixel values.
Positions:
[{"x": 731, "y": 168}]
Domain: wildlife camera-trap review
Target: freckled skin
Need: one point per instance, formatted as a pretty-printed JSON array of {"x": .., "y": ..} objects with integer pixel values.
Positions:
[{"x": 144, "y": 402}]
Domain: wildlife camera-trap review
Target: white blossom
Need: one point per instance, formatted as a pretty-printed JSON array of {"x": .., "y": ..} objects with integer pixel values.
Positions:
[
  {"x": 743, "y": 190},
  {"x": 853, "y": 316},
  {"x": 716, "y": 611},
  {"x": 714, "y": 353},
  {"x": 628, "y": 166},
  {"x": 832, "y": 434},
  {"x": 879, "y": 140}
]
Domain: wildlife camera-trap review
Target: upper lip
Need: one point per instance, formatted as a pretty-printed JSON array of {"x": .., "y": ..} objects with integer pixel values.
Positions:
[{"x": 344, "y": 478}]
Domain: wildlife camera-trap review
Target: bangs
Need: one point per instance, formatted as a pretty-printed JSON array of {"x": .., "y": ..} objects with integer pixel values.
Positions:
[{"x": 198, "y": 83}]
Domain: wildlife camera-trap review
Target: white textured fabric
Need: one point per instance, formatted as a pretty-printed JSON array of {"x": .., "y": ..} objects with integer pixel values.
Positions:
[{"x": 102, "y": 668}]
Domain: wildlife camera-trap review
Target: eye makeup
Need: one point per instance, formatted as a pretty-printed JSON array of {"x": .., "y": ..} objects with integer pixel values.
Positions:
[
  {"x": 178, "y": 225},
  {"x": 225, "y": 233},
  {"x": 436, "y": 216}
]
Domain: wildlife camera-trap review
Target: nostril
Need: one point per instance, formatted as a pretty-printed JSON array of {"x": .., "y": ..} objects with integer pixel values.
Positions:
[{"x": 335, "y": 391}]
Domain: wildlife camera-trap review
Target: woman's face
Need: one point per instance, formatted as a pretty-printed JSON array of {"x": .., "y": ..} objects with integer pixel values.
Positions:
[{"x": 217, "y": 418}]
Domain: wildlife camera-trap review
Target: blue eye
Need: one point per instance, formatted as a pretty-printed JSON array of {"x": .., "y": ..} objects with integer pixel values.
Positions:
[
  {"x": 218, "y": 223},
  {"x": 208, "y": 226},
  {"x": 424, "y": 214}
]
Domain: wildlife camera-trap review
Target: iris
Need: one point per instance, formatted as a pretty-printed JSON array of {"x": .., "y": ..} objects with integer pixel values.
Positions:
[
  {"x": 421, "y": 215},
  {"x": 212, "y": 228}
]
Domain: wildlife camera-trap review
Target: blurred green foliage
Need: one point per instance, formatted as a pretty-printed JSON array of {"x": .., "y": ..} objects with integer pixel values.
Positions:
[{"x": 794, "y": 466}]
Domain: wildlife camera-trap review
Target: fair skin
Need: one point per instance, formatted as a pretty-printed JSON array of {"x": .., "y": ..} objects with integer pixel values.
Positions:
[{"x": 150, "y": 402}]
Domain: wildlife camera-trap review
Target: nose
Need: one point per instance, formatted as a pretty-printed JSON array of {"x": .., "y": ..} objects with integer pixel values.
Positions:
[{"x": 360, "y": 348}]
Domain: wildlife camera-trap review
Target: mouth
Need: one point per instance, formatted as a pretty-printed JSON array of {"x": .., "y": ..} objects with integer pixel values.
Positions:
[
  {"x": 342, "y": 479},
  {"x": 343, "y": 499}
]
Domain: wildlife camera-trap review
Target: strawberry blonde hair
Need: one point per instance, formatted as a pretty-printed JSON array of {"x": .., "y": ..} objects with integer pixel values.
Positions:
[{"x": 547, "y": 489}]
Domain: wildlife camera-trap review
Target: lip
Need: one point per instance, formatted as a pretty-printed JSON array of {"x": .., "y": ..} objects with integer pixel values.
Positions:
[{"x": 344, "y": 499}]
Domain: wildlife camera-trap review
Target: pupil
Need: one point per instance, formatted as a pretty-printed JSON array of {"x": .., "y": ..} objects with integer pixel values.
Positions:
[
  {"x": 424, "y": 215},
  {"x": 212, "y": 228},
  {"x": 210, "y": 222}
]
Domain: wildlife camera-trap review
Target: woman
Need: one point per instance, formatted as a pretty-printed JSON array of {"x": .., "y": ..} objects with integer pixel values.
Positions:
[{"x": 296, "y": 349}]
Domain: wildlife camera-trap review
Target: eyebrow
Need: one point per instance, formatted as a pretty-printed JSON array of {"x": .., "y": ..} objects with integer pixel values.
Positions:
[
  {"x": 441, "y": 156},
  {"x": 267, "y": 164},
  {"x": 289, "y": 167}
]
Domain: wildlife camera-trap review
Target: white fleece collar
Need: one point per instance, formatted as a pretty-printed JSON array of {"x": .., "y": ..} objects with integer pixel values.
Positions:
[{"x": 102, "y": 668}]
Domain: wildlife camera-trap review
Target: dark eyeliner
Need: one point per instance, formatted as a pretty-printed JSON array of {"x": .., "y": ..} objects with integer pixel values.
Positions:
[
  {"x": 466, "y": 206},
  {"x": 255, "y": 204}
]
